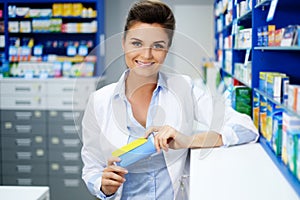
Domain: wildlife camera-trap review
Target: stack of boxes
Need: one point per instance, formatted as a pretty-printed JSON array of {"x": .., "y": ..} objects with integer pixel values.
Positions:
[{"x": 271, "y": 114}]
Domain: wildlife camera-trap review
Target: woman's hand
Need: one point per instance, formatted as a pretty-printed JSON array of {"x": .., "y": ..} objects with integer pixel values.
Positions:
[
  {"x": 113, "y": 177},
  {"x": 167, "y": 137}
]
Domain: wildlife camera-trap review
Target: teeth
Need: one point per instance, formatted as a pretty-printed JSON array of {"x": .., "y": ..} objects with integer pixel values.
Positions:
[{"x": 144, "y": 63}]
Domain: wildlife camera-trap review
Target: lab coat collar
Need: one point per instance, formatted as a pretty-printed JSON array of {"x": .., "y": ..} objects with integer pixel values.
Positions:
[{"x": 120, "y": 87}]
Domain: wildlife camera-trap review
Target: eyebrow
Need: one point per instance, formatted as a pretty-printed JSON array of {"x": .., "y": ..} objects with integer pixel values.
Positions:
[{"x": 160, "y": 41}]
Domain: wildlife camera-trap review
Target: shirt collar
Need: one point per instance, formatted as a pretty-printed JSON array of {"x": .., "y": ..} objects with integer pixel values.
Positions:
[{"x": 120, "y": 88}]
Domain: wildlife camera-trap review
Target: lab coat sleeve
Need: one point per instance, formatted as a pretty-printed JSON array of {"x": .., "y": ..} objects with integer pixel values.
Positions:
[
  {"x": 215, "y": 115},
  {"x": 91, "y": 155}
]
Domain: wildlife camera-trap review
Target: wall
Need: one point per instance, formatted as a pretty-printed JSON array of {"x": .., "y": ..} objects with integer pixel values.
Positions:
[{"x": 194, "y": 29}]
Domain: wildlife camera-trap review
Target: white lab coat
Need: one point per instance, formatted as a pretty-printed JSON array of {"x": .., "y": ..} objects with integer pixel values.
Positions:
[{"x": 179, "y": 104}]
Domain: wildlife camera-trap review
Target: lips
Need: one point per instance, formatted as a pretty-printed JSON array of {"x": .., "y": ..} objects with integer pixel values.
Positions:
[{"x": 144, "y": 64}]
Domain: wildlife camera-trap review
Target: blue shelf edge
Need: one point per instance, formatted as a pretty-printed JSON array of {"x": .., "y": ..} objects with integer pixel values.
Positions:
[{"x": 291, "y": 178}]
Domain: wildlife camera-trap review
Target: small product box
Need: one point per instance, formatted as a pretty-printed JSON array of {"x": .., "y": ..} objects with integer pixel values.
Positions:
[
  {"x": 272, "y": 109},
  {"x": 57, "y": 9},
  {"x": 263, "y": 115},
  {"x": 293, "y": 94},
  {"x": 241, "y": 99},
  {"x": 136, "y": 150},
  {"x": 278, "y": 36},
  {"x": 271, "y": 35},
  {"x": 255, "y": 111},
  {"x": 290, "y": 123},
  {"x": 292, "y": 147},
  {"x": 276, "y": 140}
]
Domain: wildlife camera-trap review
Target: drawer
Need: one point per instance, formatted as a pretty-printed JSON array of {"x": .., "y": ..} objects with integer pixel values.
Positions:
[
  {"x": 23, "y": 102},
  {"x": 25, "y": 168},
  {"x": 33, "y": 154},
  {"x": 66, "y": 102},
  {"x": 63, "y": 116},
  {"x": 64, "y": 142},
  {"x": 23, "y": 87},
  {"x": 71, "y": 87},
  {"x": 23, "y": 115},
  {"x": 64, "y": 129},
  {"x": 62, "y": 169},
  {"x": 69, "y": 188},
  {"x": 65, "y": 155},
  {"x": 32, "y": 141},
  {"x": 25, "y": 180},
  {"x": 22, "y": 128}
]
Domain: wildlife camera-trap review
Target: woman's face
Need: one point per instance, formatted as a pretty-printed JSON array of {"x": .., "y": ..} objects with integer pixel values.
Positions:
[{"x": 145, "y": 47}]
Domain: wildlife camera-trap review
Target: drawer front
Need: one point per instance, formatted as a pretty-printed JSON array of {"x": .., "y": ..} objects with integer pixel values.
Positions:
[
  {"x": 65, "y": 116},
  {"x": 25, "y": 180},
  {"x": 66, "y": 103},
  {"x": 71, "y": 87},
  {"x": 34, "y": 154},
  {"x": 25, "y": 169},
  {"x": 22, "y": 128},
  {"x": 23, "y": 88},
  {"x": 23, "y": 115},
  {"x": 64, "y": 142},
  {"x": 64, "y": 129},
  {"x": 23, "y": 102},
  {"x": 62, "y": 169},
  {"x": 32, "y": 141},
  {"x": 65, "y": 156}
]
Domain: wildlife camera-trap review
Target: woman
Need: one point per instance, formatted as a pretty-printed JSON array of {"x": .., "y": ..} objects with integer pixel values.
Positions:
[{"x": 146, "y": 100}]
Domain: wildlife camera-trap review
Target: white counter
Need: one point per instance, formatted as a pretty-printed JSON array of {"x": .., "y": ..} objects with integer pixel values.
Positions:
[
  {"x": 242, "y": 172},
  {"x": 24, "y": 193}
]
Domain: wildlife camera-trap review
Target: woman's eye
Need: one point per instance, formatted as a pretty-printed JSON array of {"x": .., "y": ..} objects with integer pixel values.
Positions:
[
  {"x": 158, "y": 46},
  {"x": 136, "y": 44}
]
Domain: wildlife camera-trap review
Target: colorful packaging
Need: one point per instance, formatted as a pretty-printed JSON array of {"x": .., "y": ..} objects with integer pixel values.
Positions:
[
  {"x": 292, "y": 146},
  {"x": 290, "y": 123},
  {"x": 272, "y": 109},
  {"x": 271, "y": 35},
  {"x": 263, "y": 115},
  {"x": 276, "y": 140},
  {"x": 255, "y": 111},
  {"x": 241, "y": 99}
]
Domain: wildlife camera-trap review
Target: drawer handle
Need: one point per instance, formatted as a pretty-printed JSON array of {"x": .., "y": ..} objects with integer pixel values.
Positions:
[
  {"x": 23, "y": 142},
  {"x": 23, "y": 115},
  {"x": 69, "y": 129},
  {"x": 69, "y": 89},
  {"x": 24, "y": 181},
  {"x": 71, "y": 182},
  {"x": 18, "y": 89},
  {"x": 23, "y": 128},
  {"x": 71, "y": 156},
  {"x": 24, "y": 155},
  {"x": 20, "y": 102},
  {"x": 24, "y": 168},
  {"x": 71, "y": 142},
  {"x": 71, "y": 169}
]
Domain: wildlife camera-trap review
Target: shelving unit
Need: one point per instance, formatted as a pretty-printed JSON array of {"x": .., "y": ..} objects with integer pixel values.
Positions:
[
  {"x": 283, "y": 59},
  {"x": 53, "y": 36}
]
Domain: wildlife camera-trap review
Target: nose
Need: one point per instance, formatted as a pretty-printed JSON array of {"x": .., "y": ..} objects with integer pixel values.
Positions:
[{"x": 147, "y": 53}]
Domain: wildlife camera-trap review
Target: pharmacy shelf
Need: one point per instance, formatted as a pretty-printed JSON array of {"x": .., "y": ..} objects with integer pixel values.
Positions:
[
  {"x": 292, "y": 48},
  {"x": 289, "y": 176},
  {"x": 267, "y": 58},
  {"x": 285, "y": 107}
]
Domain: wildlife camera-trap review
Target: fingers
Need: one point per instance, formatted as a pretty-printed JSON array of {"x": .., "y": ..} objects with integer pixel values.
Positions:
[
  {"x": 164, "y": 135},
  {"x": 151, "y": 130}
]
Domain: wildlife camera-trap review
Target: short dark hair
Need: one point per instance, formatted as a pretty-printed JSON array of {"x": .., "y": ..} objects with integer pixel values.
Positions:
[{"x": 151, "y": 11}]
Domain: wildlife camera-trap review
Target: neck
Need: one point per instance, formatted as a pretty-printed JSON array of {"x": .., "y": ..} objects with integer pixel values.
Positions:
[{"x": 135, "y": 82}]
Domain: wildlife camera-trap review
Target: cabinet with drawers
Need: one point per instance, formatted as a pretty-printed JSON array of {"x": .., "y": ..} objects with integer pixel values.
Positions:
[{"x": 41, "y": 133}]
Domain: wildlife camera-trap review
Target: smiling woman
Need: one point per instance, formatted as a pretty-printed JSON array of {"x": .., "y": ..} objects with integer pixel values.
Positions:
[{"x": 146, "y": 100}]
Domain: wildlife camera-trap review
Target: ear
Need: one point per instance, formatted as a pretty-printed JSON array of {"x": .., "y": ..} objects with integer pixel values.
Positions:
[{"x": 123, "y": 42}]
